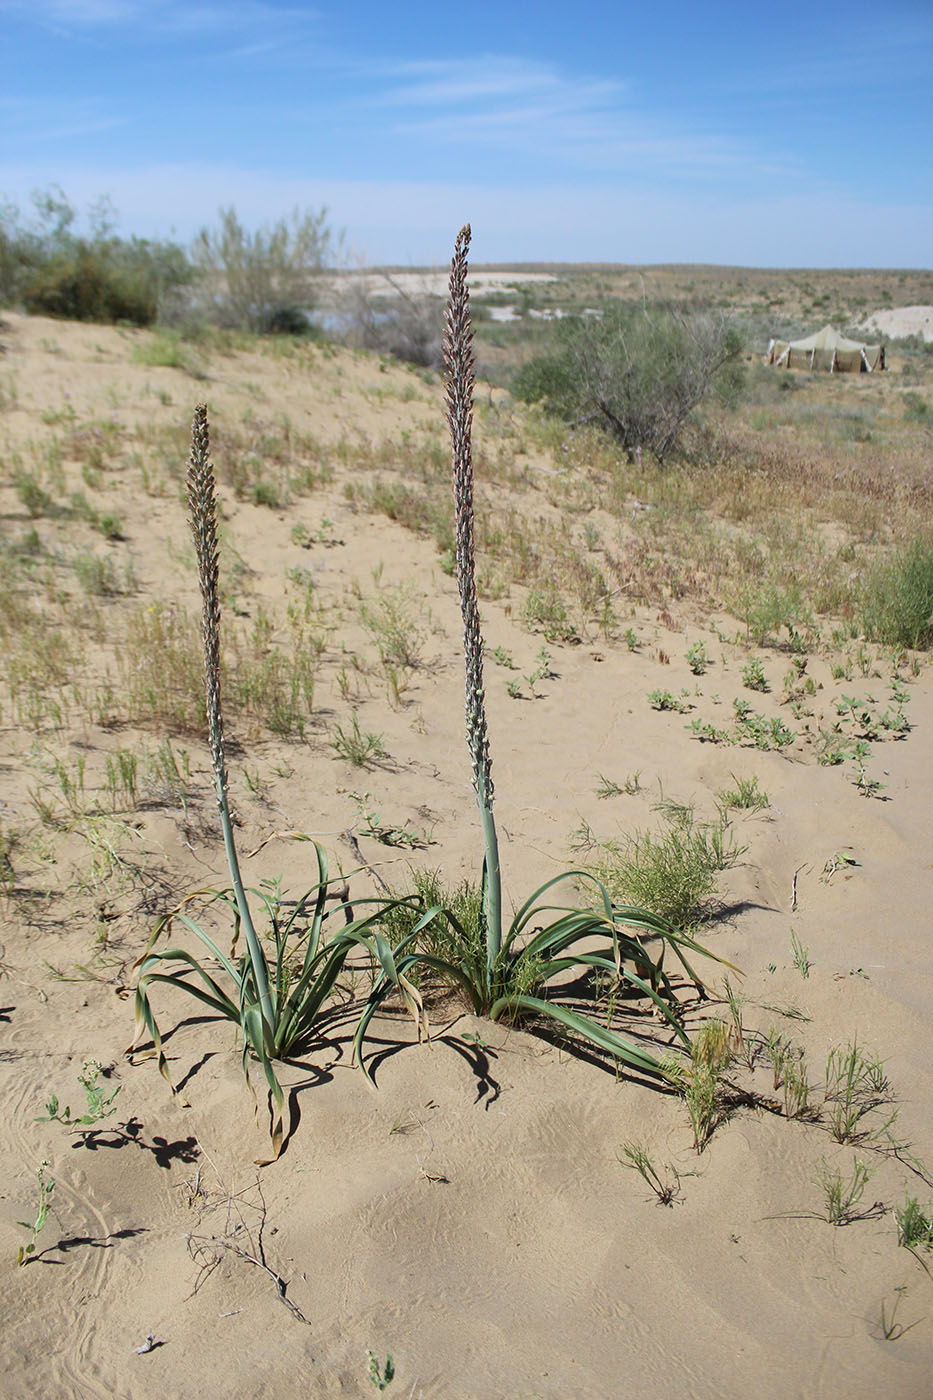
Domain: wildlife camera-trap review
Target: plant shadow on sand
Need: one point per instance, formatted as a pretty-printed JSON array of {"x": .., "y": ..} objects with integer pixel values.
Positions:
[{"x": 129, "y": 1134}]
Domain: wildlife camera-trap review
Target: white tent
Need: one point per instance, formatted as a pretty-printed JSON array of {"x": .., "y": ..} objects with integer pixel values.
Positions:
[{"x": 826, "y": 350}]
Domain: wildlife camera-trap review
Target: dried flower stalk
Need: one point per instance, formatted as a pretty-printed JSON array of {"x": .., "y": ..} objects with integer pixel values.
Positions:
[
  {"x": 459, "y": 362},
  {"x": 202, "y": 503}
]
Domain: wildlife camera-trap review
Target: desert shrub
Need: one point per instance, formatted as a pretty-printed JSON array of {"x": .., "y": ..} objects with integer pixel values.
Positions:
[
  {"x": 53, "y": 271},
  {"x": 639, "y": 374},
  {"x": 897, "y": 598},
  {"x": 397, "y": 323},
  {"x": 673, "y": 873},
  {"x": 263, "y": 281}
]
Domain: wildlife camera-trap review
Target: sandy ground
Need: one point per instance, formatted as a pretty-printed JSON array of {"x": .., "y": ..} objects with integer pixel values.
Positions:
[
  {"x": 470, "y": 1216},
  {"x": 903, "y": 321},
  {"x": 434, "y": 283}
]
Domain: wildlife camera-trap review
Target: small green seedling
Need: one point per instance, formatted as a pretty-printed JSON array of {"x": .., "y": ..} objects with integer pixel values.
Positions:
[
  {"x": 697, "y": 659},
  {"x": 753, "y": 675},
  {"x": 381, "y": 1376},
  {"x": 801, "y": 955},
  {"x": 666, "y": 700},
  {"x": 839, "y": 860},
  {"x": 98, "y": 1103},
  {"x": 46, "y": 1188}
]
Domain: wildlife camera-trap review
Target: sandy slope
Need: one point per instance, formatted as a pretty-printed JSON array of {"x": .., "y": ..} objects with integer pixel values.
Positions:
[
  {"x": 471, "y": 1216},
  {"x": 902, "y": 321}
]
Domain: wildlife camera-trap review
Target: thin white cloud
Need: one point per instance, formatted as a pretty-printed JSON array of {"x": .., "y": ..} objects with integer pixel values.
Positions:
[
  {"x": 537, "y": 110},
  {"x": 457, "y": 81}
]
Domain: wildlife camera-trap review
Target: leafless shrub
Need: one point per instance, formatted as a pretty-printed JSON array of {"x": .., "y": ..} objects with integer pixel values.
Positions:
[{"x": 407, "y": 327}]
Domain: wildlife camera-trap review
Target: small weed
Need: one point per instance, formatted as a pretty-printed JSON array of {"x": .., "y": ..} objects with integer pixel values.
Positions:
[
  {"x": 711, "y": 1056},
  {"x": 46, "y": 1186},
  {"x": 834, "y": 748},
  {"x": 503, "y": 658},
  {"x": 753, "y": 675},
  {"x": 121, "y": 778},
  {"x": 591, "y": 537},
  {"x": 98, "y": 1102},
  {"x": 541, "y": 672},
  {"x": 746, "y": 796},
  {"x": 31, "y": 495},
  {"x": 868, "y": 787},
  {"x": 672, "y": 874},
  {"x": 914, "y": 1224},
  {"x": 891, "y": 1330},
  {"x": 607, "y": 788},
  {"x": 843, "y": 1197},
  {"x": 764, "y": 733},
  {"x": 514, "y": 690},
  {"x": 790, "y": 1074},
  {"x": 263, "y": 493},
  {"x": 97, "y": 576},
  {"x": 372, "y": 825},
  {"x": 663, "y": 1181},
  {"x": 897, "y": 598},
  {"x": 630, "y": 638},
  {"x": 391, "y": 622},
  {"x": 855, "y": 1085},
  {"x": 666, "y": 700},
  {"x": 739, "y": 1045},
  {"x": 545, "y": 611},
  {"x": 801, "y": 955},
  {"x": 697, "y": 659},
  {"x": 380, "y": 1376},
  {"x": 362, "y": 750},
  {"x": 708, "y": 733}
]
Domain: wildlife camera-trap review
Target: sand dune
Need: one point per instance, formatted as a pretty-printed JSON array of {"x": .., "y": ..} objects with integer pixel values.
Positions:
[{"x": 472, "y": 1216}]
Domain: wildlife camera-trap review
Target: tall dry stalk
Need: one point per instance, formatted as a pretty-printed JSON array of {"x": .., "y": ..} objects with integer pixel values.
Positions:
[
  {"x": 202, "y": 503},
  {"x": 459, "y": 362}
]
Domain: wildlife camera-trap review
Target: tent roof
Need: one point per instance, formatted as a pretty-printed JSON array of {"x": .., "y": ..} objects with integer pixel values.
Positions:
[{"x": 830, "y": 339}]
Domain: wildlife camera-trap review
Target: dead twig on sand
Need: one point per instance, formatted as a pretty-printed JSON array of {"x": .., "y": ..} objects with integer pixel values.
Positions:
[{"x": 238, "y": 1236}]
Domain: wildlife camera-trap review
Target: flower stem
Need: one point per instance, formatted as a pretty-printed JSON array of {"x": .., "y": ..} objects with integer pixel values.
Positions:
[
  {"x": 203, "y": 521},
  {"x": 459, "y": 364}
]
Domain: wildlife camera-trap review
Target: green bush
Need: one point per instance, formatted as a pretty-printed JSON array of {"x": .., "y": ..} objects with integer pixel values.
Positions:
[
  {"x": 52, "y": 271},
  {"x": 897, "y": 598},
  {"x": 640, "y": 374},
  {"x": 83, "y": 285},
  {"x": 263, "y": 281},
  {"x": 673, "y": 873}
]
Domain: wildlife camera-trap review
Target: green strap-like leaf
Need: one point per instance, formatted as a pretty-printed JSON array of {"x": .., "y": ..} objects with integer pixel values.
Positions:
[{"x": 597, "y": 1035}]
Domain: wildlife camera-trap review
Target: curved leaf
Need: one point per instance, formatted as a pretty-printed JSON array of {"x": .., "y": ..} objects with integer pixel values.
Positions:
[{"x": 596, "y": 1034}]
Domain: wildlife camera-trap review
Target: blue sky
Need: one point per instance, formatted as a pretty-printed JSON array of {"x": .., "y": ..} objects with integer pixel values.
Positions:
[{"x": 766, "y": 135}]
